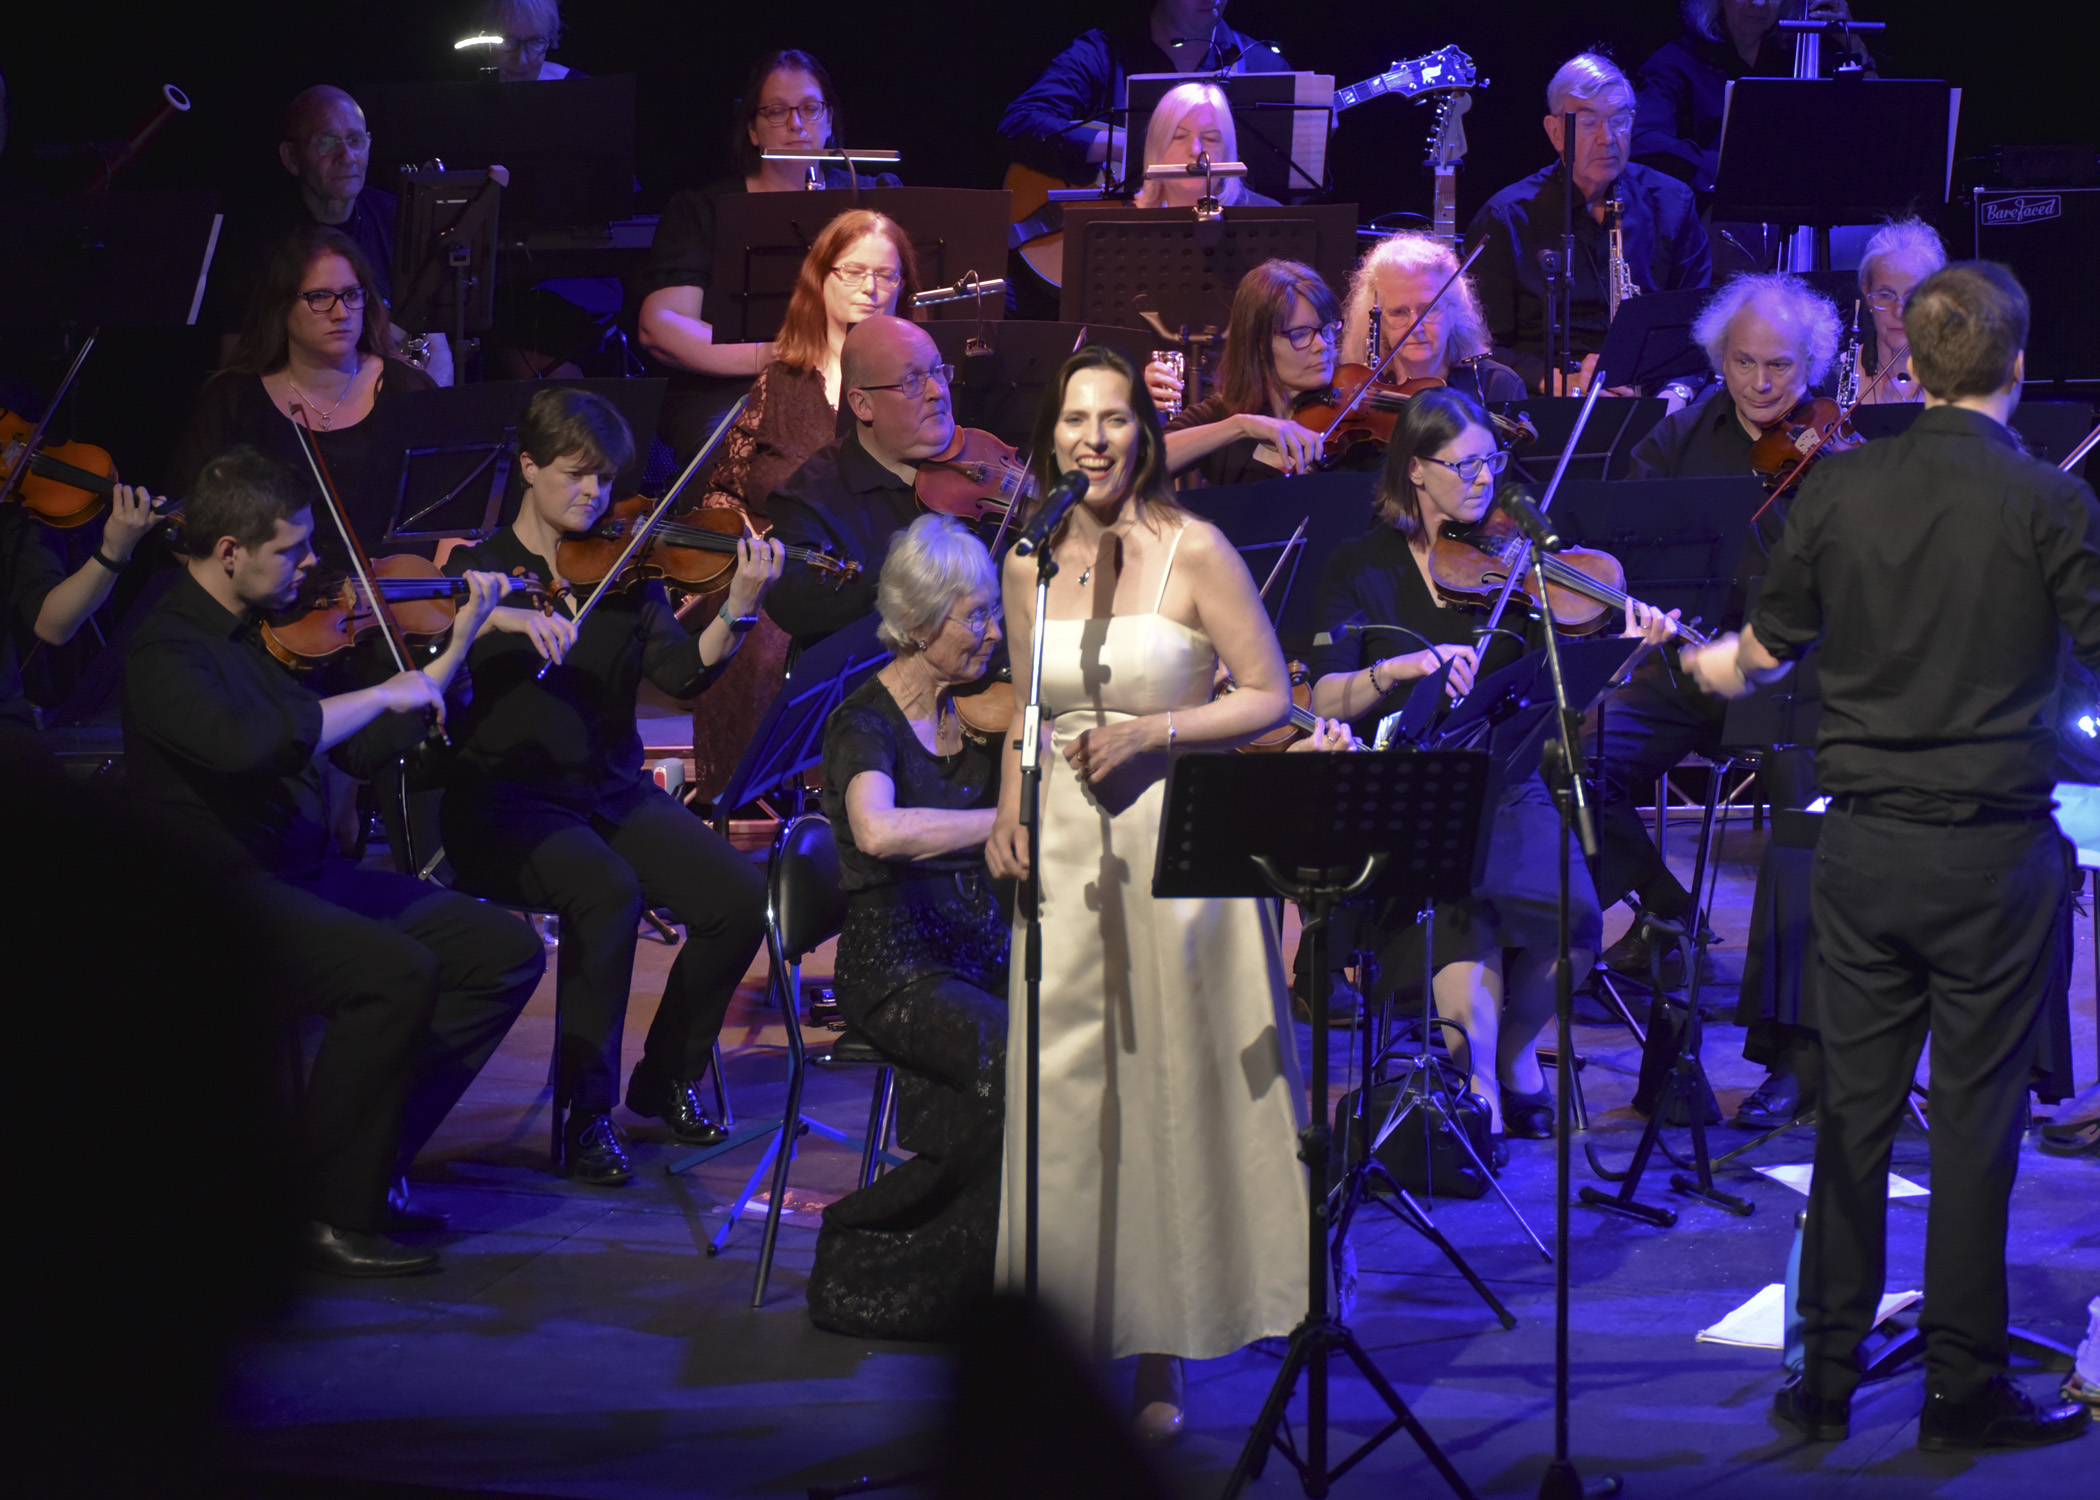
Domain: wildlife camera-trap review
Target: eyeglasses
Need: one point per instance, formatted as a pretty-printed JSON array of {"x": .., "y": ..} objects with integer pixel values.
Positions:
[
  {"x": 816, "y": 112},
  {"x": 857, "y": 276},
  {"x": 1616, "y": 123},
  {"x": 1885, "y": 300},
  {"x": 527, "y": 43},
  {"x": 323, "y": 300},
  {"x": 1301, "y": 339},
  {"x": 356, "y": 142},
  {"x": 977, "y": 621},
  {"x": 1469, "y": 469},
  {"x": 913, "y": 385}
]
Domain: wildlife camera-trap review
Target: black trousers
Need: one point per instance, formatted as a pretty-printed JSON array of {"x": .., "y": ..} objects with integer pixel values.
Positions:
[
  {"x": 419, "y": 985},
  {"x": 597, "y": 872},
  {"x": 1647, "y": 727},
  {"x": 1952, "y": 931}
]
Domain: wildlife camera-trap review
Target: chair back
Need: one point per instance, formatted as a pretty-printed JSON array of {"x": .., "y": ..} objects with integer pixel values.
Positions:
[{"x": 804, "y": 905}]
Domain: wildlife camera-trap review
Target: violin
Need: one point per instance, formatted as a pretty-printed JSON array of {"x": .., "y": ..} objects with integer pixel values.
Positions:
[
  {"x": 697, "y": 551},
  {"x": 1815, "y": 427},
  {"x": 986, "y": 707},
  {"x": 61, "y": 484},
  {"x": 1299, "y": 722},
  {"x": 1586, "y": 588},
  {"x": 976, "y": 478},
  {"x": 335, "y": 615},
  {"x": 1358, "y": 431}
]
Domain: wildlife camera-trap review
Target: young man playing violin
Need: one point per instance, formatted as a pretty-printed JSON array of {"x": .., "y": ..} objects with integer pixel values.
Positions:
[
  {"x": 548, "y": 806},
  {"x": 855, "y": 493},
  {"x": 1769, "y": 339},
  {"x": 418, "y": 984}
]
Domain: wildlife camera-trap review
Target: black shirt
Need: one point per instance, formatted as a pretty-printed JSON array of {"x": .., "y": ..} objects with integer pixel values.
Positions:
[
  {"x": 234, "y": 408},
  {"x": 221, "y": 737},
  {"x": 868, "y": 732},
  {"x": 1702, "y": 439},
  {"x": 1085, "y": 81},
  {"x": 1666, "y": 251},
  {"x": 1938, "y": 570},
  {"x": 252, "y": 239},
  {"x": 1376, "y": 578},
  {"x": 845, "y": 503},
  {"x": 570, "y": 736},
  {"x": 29, "y": 571}
]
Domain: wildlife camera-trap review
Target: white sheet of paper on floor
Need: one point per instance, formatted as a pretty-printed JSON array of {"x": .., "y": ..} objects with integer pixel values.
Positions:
[
  {"x": 1760, "y": 1323},
  {"x": 1797, "y": 1177}
]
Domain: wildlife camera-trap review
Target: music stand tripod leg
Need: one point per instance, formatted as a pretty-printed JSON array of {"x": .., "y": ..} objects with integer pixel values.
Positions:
[{"x": 1693, "y": 1088}]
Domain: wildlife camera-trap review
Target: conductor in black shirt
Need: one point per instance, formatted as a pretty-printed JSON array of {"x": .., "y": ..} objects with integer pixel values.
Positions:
[
  {"x": 1939, "y": 571},
  {"x": 548, "y": 806},
  {"x": 418, "y": 984},
  {"x": 855, "y": 493},
  {"x": 1665, "y": 245}
]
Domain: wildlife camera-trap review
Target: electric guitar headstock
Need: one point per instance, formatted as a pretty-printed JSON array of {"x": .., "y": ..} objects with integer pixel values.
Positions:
[{"x": 1443, "y": 71}]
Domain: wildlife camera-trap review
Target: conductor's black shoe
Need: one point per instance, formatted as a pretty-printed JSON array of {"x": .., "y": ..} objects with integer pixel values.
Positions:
[
  {"x": 592, "y": 1153},
  {"x": 677, "y": 1104},
  {"x": 2000, "y": 1416},
  {"x": 404, "y": 1217},
  {"x": 1777, "y": 1102},
  {"x": 352, "y": 1252},
  {"x": 1819, "y": 1418}
]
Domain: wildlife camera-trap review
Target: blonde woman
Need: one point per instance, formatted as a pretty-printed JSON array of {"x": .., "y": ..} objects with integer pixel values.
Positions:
[
  {"x": 1194, "y": 119},
  {"x": 1398, "y": 276}
]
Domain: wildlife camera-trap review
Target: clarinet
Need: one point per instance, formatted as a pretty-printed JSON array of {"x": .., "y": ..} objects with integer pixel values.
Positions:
[{"x": 1621, "y": 286}]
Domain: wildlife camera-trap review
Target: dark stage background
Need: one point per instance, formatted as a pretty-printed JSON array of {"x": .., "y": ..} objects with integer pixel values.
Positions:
[{"x": 929, "y": 80}]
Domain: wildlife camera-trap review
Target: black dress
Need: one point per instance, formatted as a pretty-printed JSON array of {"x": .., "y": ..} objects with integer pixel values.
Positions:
[
  {"x": 1516, "y": 904},
  {"x": 922, "y": 975}
]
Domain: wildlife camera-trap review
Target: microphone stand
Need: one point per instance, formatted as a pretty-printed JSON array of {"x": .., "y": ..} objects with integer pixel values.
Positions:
[
  {"x": 1561, "y": 763},
  {"x": 1031, "y": 895},
  {"x": 1560, "y": 290}
]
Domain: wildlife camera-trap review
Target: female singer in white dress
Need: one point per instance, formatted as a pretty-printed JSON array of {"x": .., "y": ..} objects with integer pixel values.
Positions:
[{"x": 1172, "y": 1202}]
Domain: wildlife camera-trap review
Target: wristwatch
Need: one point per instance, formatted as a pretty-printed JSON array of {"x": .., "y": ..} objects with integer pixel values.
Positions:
[{"x": 738, "y": 624}]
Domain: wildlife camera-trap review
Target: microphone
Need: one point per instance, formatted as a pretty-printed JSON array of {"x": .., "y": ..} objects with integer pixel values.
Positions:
[
  {"x": 1062, "y": 497},
  {"x": 1530, "y": 520}
]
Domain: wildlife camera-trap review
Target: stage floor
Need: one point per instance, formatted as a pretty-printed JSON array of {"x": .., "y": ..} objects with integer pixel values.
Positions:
[{"x": 580, "y": 1342}]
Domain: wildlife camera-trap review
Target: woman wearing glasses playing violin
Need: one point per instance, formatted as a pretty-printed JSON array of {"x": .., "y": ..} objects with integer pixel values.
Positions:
[
  {"x": 316, "y": 341},
  {"x": 787, "y": 104},
  {"x": 1279, "y": 344}
]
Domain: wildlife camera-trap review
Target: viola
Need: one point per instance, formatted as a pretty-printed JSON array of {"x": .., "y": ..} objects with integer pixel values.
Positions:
[
  {"x": 696, "y": 551},
  {"x": 336, "y": 614},
  {"x": 976, "y": 478},
  {"x": 1815, "y": 427},
  {"x": 1586, "y": 588}
]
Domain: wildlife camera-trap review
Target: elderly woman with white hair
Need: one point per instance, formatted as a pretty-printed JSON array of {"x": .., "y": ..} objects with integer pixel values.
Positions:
[
  {"x": 1192, "y": 120},
  {"x": 1901, "y": 254},
  {"x": 922, "y": 960},
  {"x": 1665, "y": 246},
  {"x": 1396, "y": 280}
]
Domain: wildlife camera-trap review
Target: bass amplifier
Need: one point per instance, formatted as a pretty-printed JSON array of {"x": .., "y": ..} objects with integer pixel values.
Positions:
[{"x": 2051, "y": 239}]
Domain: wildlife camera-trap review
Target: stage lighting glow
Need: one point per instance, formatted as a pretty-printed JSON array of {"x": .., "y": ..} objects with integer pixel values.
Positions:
[
  {"x": 476, "y": 41},
  {"x": 2089, "y": 725}
]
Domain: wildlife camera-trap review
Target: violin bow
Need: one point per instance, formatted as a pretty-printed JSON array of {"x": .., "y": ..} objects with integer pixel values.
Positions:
[
  {"x": 13, "y": 486},
  {"x": 1297, "y": 540},
  {"x": 1393, "y": 349},
  {"x": 1522, "y": 558},
  {"x": 360, "y": 564},
  {"x": 643, "y": 532},
  {"x": 2084, "y": 447}
]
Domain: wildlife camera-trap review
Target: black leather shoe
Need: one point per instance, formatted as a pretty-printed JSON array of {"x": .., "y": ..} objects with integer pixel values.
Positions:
[
  {"x": 1818, "y": 1418},
  {"x": 1777, "y": 1102},
  {"x": 1528, "y": 1117},
  {"x": 592, "y": 1153},
  {"x": 2001, "y": 1416},
  {"x": 351, "y": 1252},
  {"x": 405, "y": 1217},
  {"x": 677, "y": 1104}
]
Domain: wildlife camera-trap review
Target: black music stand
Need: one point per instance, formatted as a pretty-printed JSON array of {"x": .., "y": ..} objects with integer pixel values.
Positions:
[
  {"x": 1650, "y": 340},
  {"x": 445, "y": 254},
  {"x": 457, "y": 448},
  {"x": 761, "y": 238},
  {"x": 1891, "y": 151},
  {"x": 789, "y": 740},
  {"x": 1337, "y": 826},
  {"x": 1616, "y": 425},
  {"x": 2050, "y": 429},
  {"x": 1259, "y": 519},
  {"x": 569, "y": 145},
  {"x": 1115, "y": 254},
  {"x": 1681, "y": 541},
  {"x": 1001, "y": 368},
  {"x": 133, "y": 259}
]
